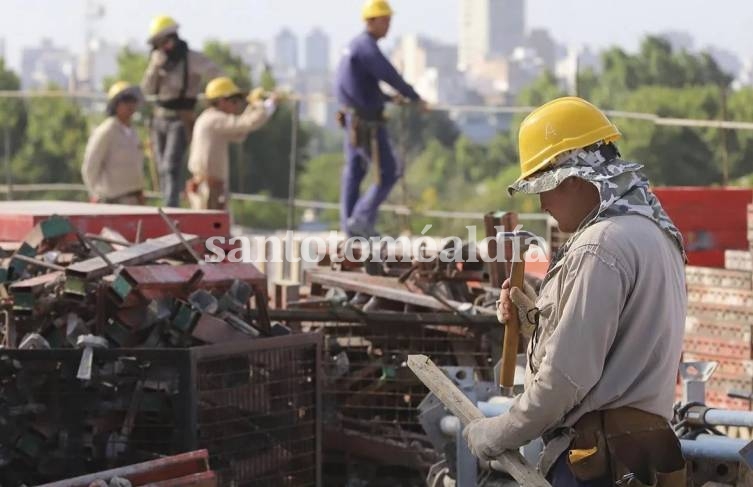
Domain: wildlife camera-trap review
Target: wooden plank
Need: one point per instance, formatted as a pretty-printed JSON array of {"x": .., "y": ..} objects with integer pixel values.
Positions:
[
  {"x": 386, "y": 287},
  {"x": 511, "y": 462},
  {"x": 138, "y": 254}
]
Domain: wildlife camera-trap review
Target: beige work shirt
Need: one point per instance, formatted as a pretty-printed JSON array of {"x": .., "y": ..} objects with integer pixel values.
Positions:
[
  {"x": 113, "y": 161},
  {"x": 212, "y": 134},
  {"x": 167, "y": 85},
  {"x": 610, "y": 333}
]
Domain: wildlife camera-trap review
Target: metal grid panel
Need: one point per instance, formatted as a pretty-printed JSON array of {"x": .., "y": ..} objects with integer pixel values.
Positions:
[
  {"x": 258, "y": 415},
  {"x": 254, "y": 404},
  {"x": 56, "y": 426},
  {"x": 369, "y": 388}
]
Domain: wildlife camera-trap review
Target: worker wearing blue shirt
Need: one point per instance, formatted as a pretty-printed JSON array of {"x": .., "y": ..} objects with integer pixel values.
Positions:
[{"x": 361, "y": 69}]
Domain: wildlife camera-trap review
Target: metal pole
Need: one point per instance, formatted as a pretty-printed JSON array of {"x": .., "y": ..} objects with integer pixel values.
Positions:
[
  {"x": 293, "y": 160},
  {"x": 8, "y": 175}
]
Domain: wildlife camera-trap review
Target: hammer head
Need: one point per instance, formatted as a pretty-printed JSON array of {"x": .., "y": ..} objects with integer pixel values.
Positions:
[
  {"x": 91, "y": 341},
  {"x": 522, "y": 236}
]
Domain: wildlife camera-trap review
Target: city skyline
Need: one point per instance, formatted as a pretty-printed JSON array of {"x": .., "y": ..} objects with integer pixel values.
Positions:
[{"x": 249, "y": 20}]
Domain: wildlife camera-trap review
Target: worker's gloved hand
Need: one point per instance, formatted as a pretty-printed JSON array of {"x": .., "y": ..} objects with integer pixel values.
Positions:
[
  {"x": 483, "y": 438},
  {"x": 158, "y": 58},
  {"x": 525, "y": 302},
  {"x": 256, "y": 95}
]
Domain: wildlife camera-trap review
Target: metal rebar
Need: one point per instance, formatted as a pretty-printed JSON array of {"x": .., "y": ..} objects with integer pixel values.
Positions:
[
  {"x": 178, "y": 233},
  {"x": 38, "y": 263},
  {"x": 293, "y": 163}
]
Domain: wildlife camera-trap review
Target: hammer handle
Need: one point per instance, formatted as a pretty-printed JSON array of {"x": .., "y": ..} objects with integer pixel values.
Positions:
[{"x": 512, "y": 331}]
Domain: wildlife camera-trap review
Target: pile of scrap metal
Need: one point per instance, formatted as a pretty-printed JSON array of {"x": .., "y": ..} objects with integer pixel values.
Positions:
[
  {"x": 373, "y": 316},
  {"x": 76, "y": 390},
  {"x": 60, "y": 287}
]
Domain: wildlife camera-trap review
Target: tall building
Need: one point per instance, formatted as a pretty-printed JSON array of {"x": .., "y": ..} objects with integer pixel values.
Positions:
[
  {"x": 431, "y": 67},
  {"x": 317, "y": 51},
  {"x": 99, "y": 61},
  {"x": 46, "y": 64},
  {"x": 253, "y": 54},
  {"x": 543, "y": 44},
  {"x": 285, "y": 52},
  {"x": 489, "y": 29}
]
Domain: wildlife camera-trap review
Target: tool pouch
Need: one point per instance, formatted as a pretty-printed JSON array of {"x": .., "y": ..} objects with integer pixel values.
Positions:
[
  {"x": 637, "y": 448},
  {"x": 588, "y": 457}
]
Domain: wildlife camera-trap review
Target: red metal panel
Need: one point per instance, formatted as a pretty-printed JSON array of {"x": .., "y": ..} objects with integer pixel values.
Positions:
[
  {"x": 711, "y": 220},
  {"x": 17, "y": 218}
]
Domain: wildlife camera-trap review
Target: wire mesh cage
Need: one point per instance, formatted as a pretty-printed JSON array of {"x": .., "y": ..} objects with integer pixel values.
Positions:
[{"x": 255, "y": 405}]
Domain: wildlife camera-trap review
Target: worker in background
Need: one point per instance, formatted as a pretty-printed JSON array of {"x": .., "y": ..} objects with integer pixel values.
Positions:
[
  {"x": 174, "y": 76},
  {"x": 361, "y": 69},
  {"x": 113, "y": 168},
  {"x": 223, "y": 122},
  {"x": 608, "y": 323}
]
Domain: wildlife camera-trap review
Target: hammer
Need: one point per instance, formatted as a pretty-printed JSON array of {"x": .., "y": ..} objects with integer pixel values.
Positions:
[{"x": 520, "y": 241}]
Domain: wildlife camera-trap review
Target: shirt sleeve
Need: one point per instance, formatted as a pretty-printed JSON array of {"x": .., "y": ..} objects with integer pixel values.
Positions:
[
  {"x": 592, "y": 298},
  {"x": 381, "y": 68},
  {"x": 237, "y": 127},
  {"x": 151, "y": 75},
  {"x": 94, "y": 157}
]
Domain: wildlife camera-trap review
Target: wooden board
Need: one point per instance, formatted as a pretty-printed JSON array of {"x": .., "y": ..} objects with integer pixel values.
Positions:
[{"x": 458, "y": 403}]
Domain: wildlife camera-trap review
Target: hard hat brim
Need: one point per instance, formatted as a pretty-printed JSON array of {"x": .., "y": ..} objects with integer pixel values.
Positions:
[{"x": 163, "y": 33}]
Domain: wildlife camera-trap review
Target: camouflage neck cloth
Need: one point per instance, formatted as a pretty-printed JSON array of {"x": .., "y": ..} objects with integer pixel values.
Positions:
[{"x": 623, "y": 189}]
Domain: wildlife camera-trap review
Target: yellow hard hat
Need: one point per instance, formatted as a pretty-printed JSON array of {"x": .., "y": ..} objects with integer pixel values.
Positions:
[
  {"x": 222, "y": 87},
  {"x": 558, "y": 126},
  {"x": 161, "y": 26},
  {"x": 117, "y": 88},
  {"x": 376, "y": 8}
]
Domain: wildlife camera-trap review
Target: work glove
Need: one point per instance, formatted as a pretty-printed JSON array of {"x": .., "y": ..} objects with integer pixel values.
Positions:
[
  {"x": 257, "y": 95},
  {"x": 158, "y": 58},
  {"x": 483, "y": 437},
  {"x": 525, "y": 302}
]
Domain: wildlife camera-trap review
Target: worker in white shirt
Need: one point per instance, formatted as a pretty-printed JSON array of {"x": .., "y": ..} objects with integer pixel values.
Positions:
[
  {"x": 113, "y": 168},
  {"x": 223, "y": 122}
]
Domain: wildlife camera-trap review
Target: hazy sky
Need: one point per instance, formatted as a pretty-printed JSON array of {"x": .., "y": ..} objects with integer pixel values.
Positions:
[{"x": 725, "y": 23}]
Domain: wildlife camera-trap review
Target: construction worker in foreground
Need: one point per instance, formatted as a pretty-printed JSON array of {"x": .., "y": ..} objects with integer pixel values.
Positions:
[
  {"x": 607, "y": 326},
  {"x": 361, "y": 69},
  {"x": 175, "y": 75},
  {"x": 113, "y": 168},
  {"x": 223, "y": 122}
]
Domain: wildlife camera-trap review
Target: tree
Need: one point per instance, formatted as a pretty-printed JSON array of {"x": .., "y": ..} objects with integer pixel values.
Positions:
[
  {"x": 12, "y": 113},
  {"x": 131, "y": 67},
  {"x": 56, "y": 136},
  {"x": 412, "y": 129},
  {"x": 233, "y": 65}
]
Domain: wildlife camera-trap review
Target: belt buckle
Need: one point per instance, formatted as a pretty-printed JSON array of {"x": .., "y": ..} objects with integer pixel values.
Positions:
[{"x": 625, "y": 480}]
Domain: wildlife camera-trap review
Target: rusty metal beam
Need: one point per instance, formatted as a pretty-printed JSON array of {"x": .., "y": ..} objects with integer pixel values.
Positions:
[
  {"x": 386, "y": 317},
  {"x": 158, "y": 281},
  {"x": 147, "y": 473},
  {"x": 137, "y": 254},
  {"x": 385, "y": 287}
]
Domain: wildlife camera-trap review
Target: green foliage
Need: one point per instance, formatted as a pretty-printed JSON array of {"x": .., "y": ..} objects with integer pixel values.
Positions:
[
  {"x": 267, "y": 79},
  {"x": 131, "y": 67},
  {"x": 232, "y": 65},
  {"x": 55, "y": 140},
  {"x": 412, "y": 129},
  {"x": 12, "y": 112},
  {"x": 320, "y": 180}
]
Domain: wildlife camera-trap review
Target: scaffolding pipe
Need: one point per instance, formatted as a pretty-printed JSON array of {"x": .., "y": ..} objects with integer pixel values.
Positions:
[
  {"x": 724, "y": 449},
  {"x": 724, "y": 417}
]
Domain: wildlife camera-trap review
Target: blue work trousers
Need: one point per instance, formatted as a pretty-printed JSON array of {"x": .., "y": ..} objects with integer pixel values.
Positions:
[
  {"x": 560, "y": 475},
  {"x": 364, "y": 208},
  {"x": 170, "y": 144}
]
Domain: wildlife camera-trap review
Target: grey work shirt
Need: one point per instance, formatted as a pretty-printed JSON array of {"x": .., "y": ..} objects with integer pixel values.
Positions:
[{"x": 610, "y": 333}]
